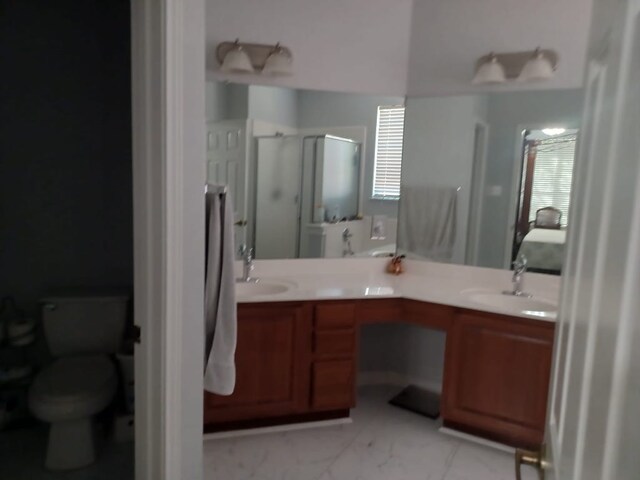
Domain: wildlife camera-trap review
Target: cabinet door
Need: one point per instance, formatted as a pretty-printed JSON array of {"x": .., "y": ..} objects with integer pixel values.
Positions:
[
  {"x": 272, "y": 365},
  {"x": 497, "y": 377},
  {"x": 333, "y": 385}
]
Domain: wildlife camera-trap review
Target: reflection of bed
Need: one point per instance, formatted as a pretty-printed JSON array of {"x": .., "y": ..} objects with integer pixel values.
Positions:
[{"x": 544, "y": 249}]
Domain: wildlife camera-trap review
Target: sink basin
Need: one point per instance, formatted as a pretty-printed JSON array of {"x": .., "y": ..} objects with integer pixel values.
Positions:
[
  {"x": 261, "y": 288},
  {"x": 533, "y": 306}
]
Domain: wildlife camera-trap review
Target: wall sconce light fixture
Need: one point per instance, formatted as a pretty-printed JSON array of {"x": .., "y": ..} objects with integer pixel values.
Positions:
[
  {"x": 489, "y": 71},
  {"x": 531, "y": 66},
  {"x": 236, "y": 57}
]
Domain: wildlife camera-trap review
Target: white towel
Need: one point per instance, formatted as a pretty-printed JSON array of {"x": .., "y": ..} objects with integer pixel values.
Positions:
[
  {"x": 220, "y": 298},
  {"x": 427, "y": 222}
]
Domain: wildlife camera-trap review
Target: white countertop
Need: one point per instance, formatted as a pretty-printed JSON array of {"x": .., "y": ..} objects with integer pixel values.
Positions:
[{"x": 362, "y": 278}]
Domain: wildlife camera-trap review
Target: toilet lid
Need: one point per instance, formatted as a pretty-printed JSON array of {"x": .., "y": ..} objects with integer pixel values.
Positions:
[{"x": 74, "y": 378}]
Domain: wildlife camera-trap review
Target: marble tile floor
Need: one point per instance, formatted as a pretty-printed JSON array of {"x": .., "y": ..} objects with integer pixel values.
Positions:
[
  {"x": 22, "y": 453},
  {"x": 382, "y": 443}
]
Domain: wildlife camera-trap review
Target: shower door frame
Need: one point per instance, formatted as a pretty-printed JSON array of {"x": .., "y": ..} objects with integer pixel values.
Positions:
[{"x": 253, "y": 185}]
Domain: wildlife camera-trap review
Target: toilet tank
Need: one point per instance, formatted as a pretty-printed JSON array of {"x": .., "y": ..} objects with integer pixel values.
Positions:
[{"x": 84, "y": 323}]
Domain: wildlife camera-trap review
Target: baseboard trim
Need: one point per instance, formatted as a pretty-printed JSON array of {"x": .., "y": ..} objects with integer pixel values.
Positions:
[
  {"x": 277, "y": 429},
  {"x": 478, "y": 440},
  {"x": 395, "y": 379}
]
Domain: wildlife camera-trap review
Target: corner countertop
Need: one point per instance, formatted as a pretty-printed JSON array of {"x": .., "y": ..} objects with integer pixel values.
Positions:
[{"x": 365, "y": 278}]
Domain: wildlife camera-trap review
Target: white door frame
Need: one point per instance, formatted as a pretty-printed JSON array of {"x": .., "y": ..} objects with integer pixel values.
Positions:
[
  {"x": 477, "y": 194},
  {"x": 168, "y": 84}
]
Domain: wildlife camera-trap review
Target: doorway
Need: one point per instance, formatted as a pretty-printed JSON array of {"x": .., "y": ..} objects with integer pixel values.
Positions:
[
  {"x": 66, "y": 209},
  {"x": 544, "y": 197},
  {"x": 476, "y": 197}
]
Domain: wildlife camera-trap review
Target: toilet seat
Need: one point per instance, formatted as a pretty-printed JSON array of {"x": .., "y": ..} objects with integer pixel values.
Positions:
[{"x": 73, "y": 387}]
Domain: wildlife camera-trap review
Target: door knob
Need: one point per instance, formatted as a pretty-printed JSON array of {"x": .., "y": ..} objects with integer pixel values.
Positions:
[
  {"x": 241, "y": 223},
  {"x": 533, "y": 459}
]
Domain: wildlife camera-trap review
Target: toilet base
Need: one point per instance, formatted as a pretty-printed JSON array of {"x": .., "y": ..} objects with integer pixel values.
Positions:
[{"x": 71, "y": 444}]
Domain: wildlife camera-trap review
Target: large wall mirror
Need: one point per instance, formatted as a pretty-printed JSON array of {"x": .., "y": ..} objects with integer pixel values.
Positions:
[
  {"x": 487, "y": 178},
  {"x": 300, "y": 166}
]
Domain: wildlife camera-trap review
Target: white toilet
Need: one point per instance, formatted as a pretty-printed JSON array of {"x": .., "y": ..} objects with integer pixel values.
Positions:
[{"x": 81, "y": 331}]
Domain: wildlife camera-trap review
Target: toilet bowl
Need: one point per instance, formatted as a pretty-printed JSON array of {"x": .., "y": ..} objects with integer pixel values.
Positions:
[{"x": 67, "y": 394}]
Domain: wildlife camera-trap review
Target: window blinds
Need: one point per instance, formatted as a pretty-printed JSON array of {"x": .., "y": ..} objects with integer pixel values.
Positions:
[
  {"x": 388, "y": 154},
  {"x": 552, "y": 175}
]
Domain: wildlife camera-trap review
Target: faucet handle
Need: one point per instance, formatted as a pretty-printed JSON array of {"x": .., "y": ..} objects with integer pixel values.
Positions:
[{"x": 520, "y": 264}]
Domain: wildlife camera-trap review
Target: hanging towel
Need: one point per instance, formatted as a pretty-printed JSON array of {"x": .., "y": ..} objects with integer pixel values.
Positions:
[
  {"x": 427, "y": 222},
  {"x": 220, "y": 297}
]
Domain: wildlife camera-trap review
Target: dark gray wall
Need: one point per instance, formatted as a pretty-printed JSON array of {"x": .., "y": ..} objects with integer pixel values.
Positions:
[{"x": 65, "y": 146}]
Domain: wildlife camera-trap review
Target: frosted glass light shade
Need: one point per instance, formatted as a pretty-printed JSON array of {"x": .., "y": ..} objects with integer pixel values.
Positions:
[
  {"x": 489, "y": 72},
  {"x": 278, "y": 63},
  {"x": 537, "y": 69},
  {"x": 237, "y": 61}
]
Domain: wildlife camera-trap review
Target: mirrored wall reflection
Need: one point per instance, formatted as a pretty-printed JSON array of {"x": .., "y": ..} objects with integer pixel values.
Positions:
[
  {"x": 487, "y": 178},
  {"x": 299, "y": 166},
  {"x": 297, "y": 187}
]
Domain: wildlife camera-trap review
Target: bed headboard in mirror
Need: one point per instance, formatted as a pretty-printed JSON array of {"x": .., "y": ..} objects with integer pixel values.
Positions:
[{"x": 487, "y": 177}]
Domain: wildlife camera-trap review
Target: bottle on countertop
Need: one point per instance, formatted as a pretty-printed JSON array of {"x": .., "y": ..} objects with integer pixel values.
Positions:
[{"x": 395, "y": 266}]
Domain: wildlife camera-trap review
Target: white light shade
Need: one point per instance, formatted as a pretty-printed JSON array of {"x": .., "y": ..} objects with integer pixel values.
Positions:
[
  {"x": 278, "y": 63},
  {"x": 536, "y": 69},
  {"x": 491, "y": 71},
  {"x": 236, "y": 61},
  {"x": 553, "y": 131}
]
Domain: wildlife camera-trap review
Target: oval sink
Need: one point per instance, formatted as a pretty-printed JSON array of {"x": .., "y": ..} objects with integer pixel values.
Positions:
[
  {"x": 261, "y": 288},
  {"x": 534, "y": 306}
]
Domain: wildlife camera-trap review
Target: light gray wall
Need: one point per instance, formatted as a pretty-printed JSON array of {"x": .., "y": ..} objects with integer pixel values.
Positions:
[
  {"x": 447, "y": 37},
  {"x": 231, "y": 101},
  {"x": 274, "y": 104},
  {"x": 331, "y": 109},
  {"x": 226, "y": 101},
  {"x": 439, "y": 147},
  {"x": 353, "y": 46},
  {"x": 216, "y": 101},
  {"x": 509, "y": 113}
]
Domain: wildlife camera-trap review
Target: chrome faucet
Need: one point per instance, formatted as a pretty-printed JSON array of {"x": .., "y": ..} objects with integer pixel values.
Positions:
[
  {"x": 247, "y": 264},
  {"x": 519, "y": 269},
  {"x": 347, "y": 251}
]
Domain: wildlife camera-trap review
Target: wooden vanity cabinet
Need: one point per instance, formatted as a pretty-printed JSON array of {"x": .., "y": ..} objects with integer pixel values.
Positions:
[
  {"x": 333, "y": 374},
  {"x": 293, "y": 361},
  {"x": 297, "y": 362},
  {"x": 273, "y": 358},
  {"x": 497, "y": 372}
]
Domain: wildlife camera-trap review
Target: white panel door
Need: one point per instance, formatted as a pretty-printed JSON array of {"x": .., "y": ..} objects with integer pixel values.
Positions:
[
  {"x": 593, "y": 429},
  {"x": 227, "y": 152}
]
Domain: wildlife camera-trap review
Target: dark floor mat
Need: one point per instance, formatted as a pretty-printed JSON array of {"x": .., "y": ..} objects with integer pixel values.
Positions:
[{"x": 418, "y": 400}]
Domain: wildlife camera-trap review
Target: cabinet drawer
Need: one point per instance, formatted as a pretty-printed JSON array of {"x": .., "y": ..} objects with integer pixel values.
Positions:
[
  {"x": 334, "y": 316},
  {"x": 333, "y": 385},
  {"x": 334, "y": 343}
]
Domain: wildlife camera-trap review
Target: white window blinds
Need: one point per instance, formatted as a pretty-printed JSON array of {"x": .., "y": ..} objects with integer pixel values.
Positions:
[
  {"x": 388, "y": 154},
  {"x": 552, "y": 175}
]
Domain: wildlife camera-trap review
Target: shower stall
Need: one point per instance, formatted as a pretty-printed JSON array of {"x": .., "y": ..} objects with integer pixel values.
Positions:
[{"x": 299, "y": 181}]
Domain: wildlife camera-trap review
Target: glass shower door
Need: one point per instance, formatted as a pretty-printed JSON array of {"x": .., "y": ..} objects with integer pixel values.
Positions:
[
  {"x": 337, "y": 178},
  {"x": 278, "y": 179}
]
